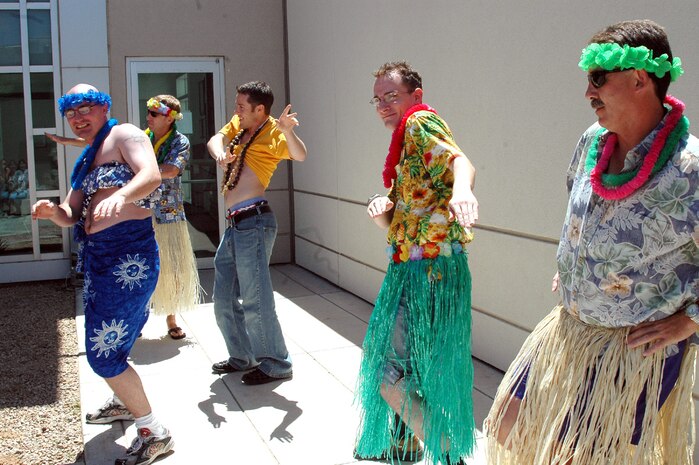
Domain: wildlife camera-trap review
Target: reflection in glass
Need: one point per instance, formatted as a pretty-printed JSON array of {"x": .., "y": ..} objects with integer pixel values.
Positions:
[
  {"x": 50, "y": 235},
  {"x": 13, "y": 146},
  {"x": 46, "y": 163},
  {"x": 15, "y": 226},
  {"x": 10, "y": 45},
  {"x": 43, "y": 103},
  {"x": 39, "y": 25},
  {"x": 15, "y": 229}
]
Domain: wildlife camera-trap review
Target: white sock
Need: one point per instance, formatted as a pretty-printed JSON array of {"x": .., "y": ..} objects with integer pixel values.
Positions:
[
  {"x": 149, "y": 421},
  {"x": 116, "y": 400}
]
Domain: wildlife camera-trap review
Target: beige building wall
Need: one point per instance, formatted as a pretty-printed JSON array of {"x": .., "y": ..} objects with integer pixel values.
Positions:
[
  {"x": 249, "y": 35},
  {"x": 504, "y": 75}
]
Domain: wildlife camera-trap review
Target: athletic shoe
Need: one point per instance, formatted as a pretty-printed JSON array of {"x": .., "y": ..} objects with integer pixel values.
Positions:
[
  {"x": 146, "y": 448},
  {"x": 109, "y": 412}
]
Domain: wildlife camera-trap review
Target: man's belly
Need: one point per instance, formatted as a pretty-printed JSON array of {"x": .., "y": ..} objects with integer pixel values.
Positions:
[
  {"x": 248, "y": 187},
  {"x": 129, "y": 211}
]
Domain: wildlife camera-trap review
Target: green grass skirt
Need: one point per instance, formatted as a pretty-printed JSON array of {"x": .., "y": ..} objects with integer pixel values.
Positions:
[{"x": 438, "y": 321}]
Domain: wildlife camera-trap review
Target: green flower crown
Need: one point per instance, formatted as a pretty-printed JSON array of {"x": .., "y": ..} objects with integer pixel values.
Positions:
[{"x": 609, "y": 56}]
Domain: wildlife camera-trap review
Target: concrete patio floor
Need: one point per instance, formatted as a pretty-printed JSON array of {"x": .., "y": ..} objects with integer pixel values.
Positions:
[{"x": 218, "y": 420}]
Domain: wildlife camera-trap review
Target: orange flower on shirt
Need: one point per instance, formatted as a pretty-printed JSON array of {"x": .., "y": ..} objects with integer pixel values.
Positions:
[
  {"x": 419, "y": 194},
  {"x": 430, "y": 250}
]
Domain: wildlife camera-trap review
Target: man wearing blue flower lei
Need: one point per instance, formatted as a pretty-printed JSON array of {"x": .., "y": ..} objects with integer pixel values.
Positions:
[{"x": 118, "y": 253}]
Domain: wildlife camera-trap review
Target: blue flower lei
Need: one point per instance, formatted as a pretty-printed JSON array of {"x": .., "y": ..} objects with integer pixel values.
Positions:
[
  {"x": 84, "y": 162},
  {"x": 68, "y": 101}
]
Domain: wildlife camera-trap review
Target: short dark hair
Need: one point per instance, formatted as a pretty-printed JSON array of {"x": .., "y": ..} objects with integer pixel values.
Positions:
[
  {"x": 636, "y": 33},
  {"x": 258, "y": 93},
  {"x": 409, "y": 76}
]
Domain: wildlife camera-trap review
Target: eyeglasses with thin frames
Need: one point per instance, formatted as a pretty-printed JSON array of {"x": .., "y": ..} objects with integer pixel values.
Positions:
[
  {"x": 598, "y": 78},
  {"x": 388, "y": 97},
  {"x": 83, "y": 110}
]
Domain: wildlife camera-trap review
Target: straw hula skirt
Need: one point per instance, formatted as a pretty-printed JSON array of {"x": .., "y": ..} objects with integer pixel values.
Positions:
[
  {"x": 178, "y": 288},
  {"x": 583, "y": 384}
]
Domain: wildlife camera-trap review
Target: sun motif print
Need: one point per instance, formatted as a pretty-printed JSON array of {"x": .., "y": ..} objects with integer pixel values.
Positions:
[
  {"x": 88, "y": 291},
  {"x": 131, "y": 271},
  {"x": 109, "y": 338}
]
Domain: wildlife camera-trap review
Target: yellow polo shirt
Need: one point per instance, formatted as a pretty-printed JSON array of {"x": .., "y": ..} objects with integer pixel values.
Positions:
[{"x": 265, "y": 152}]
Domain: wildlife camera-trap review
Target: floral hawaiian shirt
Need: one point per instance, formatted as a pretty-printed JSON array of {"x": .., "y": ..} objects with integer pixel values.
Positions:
[
  {"x": 624, "y": 262},
  {"x": 421, "y": 192},
  {"x": 170, "y": 208}
]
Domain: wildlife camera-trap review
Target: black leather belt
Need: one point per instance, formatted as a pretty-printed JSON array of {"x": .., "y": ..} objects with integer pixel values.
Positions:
[{"x": 257, "y": 210}]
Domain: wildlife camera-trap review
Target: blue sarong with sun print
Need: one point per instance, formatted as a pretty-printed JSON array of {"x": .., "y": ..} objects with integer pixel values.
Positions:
[{"x": 121, "y": 267}]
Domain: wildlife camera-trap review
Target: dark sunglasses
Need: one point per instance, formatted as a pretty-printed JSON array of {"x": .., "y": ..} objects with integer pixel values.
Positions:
[
  {"x": 598, "y": 78},
  {"x": 154, "y": 114}
]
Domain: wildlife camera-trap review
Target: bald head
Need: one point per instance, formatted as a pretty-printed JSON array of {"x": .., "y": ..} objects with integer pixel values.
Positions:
[
  {"x": 83, "y": 94},
  {"x": 82, "y": 88}
]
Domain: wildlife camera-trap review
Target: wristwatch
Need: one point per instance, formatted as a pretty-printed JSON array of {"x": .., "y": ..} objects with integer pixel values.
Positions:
[{"x": 692, "y": 311}]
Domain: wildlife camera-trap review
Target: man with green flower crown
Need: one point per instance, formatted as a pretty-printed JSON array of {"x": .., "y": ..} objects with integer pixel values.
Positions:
[
  {"x": 416, "y": 374},
  {"x": 606, "y": 378}
]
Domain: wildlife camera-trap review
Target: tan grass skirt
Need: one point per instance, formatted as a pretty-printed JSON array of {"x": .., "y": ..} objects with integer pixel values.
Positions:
[
  {"x": 567, "y": 361},
  {"x": 178, "y": 288}
]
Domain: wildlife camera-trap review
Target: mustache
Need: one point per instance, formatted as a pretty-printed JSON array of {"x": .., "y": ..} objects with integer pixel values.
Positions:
[{"x": 596, "y": 103}]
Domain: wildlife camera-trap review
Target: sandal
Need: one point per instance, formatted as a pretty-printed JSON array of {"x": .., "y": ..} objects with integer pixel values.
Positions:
[{"x": 173, "y": 333}]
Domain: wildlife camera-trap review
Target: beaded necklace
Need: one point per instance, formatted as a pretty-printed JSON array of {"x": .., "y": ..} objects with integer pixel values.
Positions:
[
  {"x": 620, "y": 186},
  {"x": 234, "y": 168}
]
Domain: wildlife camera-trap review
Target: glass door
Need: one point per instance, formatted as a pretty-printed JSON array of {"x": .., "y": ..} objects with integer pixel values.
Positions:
[{"x": 197, "y": 84}]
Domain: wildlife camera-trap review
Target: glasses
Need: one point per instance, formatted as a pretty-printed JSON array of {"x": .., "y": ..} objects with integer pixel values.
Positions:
[
  {"x": 388, "y": 97},
  {"x": 84, "y": 110},
  {"x": 598, "y": 78},
  {"x": 154, "y": 114}
]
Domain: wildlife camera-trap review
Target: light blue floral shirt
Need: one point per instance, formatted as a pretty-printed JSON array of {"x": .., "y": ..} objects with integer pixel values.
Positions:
[{"x": 623, "y": 262}]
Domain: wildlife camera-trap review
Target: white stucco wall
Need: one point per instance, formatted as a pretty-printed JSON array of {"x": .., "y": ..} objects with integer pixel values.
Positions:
[{"x": 504, "y": 75}]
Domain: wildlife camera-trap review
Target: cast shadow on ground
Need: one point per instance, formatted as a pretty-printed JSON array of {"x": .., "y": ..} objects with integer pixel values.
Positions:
[
  {"x": 149, "y": 351},
  {"x": 265, "y": 396}
]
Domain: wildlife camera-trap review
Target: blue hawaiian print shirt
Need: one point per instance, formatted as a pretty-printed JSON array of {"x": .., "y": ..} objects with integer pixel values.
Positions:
[
  {"x": 170, "y": 208},
  {"x": 624, "y": 262}
]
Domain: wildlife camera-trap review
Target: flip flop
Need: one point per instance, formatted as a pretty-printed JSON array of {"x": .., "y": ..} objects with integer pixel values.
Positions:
[{"x": 173, "y": 333}]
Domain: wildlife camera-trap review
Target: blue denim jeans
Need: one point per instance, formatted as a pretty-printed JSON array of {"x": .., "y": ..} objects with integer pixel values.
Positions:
[
  {"x": 244, "y": 299},
  {"x": 399, "y": 356}
]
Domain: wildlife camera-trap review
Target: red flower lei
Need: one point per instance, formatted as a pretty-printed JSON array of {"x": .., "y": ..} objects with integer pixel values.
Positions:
[
  {"x": 396, "y": 147},
  {"x": 623, "y": 191}
]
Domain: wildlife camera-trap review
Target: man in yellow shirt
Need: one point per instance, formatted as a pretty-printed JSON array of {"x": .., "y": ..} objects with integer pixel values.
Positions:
[{"x": 249, "y": 148}]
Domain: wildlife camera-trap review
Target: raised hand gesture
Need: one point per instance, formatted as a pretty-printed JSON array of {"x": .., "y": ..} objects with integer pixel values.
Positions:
[{"x": 287, "y": 121}]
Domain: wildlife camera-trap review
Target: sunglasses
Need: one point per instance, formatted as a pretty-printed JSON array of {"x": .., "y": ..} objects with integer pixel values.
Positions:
[
  {"x": 84, "y": 110},
  {"x": 598, "y": 78},
  {"x": 154, "y": 114}
]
